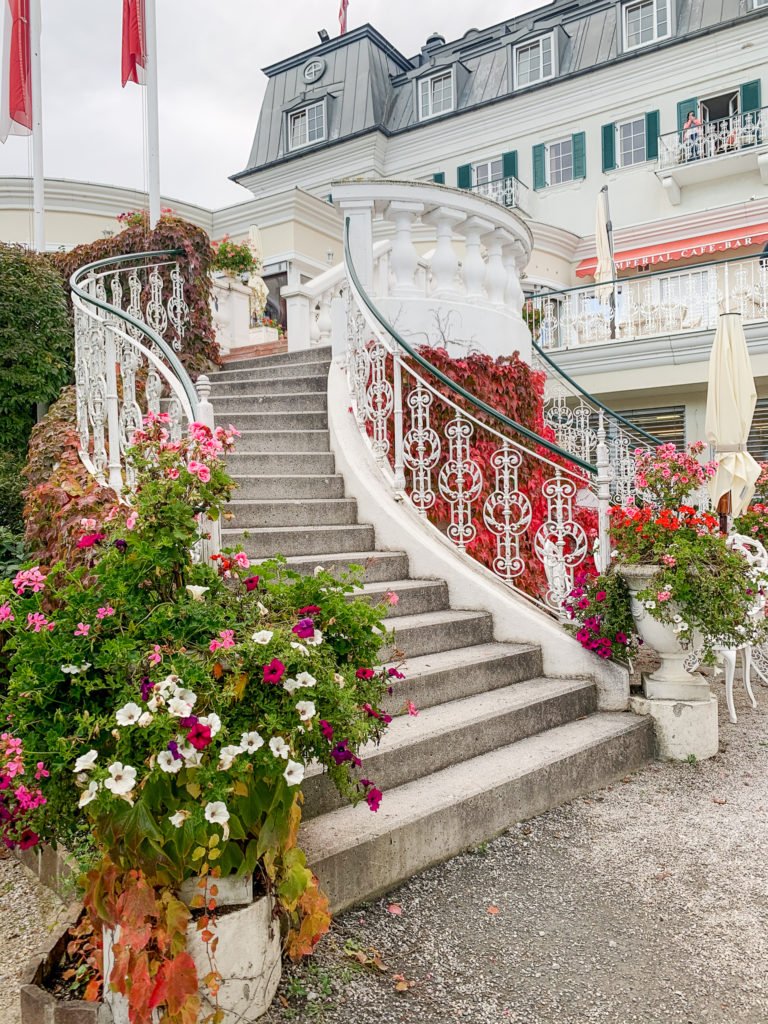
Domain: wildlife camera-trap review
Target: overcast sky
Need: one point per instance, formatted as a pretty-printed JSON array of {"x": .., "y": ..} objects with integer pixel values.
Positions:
[{"x": 211, "y": 85}]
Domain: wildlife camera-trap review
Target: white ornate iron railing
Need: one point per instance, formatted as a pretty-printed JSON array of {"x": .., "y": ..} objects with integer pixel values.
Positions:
[
  {"x": 510, "y": 192},
  {"x": 545, "y": 509},
  {"x": 130, "y": 319},
  {"x": 718, "y": 137},
  {"x": 682, "y": 301}
]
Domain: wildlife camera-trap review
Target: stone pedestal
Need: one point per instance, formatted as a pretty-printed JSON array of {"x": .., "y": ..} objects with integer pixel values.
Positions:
[
  {"x": 231, "y": 309},
  {"x": 684, "y": 728}
]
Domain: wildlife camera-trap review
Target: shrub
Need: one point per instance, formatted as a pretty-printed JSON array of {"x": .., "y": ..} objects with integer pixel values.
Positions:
[
  {"x": 11, "y": 491},
  {"x": 13, "y": 553}
]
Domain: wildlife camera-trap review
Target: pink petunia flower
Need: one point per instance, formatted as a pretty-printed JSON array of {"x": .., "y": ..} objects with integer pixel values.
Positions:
[{"x": 274, "y": 671}]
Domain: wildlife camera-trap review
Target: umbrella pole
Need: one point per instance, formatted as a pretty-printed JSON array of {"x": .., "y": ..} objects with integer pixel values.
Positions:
[{"x": 724, "y": 507}]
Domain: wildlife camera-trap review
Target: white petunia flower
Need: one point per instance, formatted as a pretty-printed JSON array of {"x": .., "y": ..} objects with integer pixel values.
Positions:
[
  {"x": 294, "y": 773},
  {"x": 178, "y": 819},
  {"x": 156, "y": 702},
  {"x": 316, "y": 640},
  {"x": 89, "y": 794},
  {"x": 307, "y": 710},
  {"x": 279, "y": 747},
  {"x": 650, "y": 605},
  {"x": 146, "y": 719},
  {"x": 216, "y": 813},
  {"x": 70, "y": 670},
  {"x": 168, "y": 763},
  {"x": 300, "y": 648},
  {"x": 340, "y": 680},
  {"x": 129, "y": 714},
  {"x": 171, "y": 682},
  {"x": 192, "y": 758},
  {"x": 262, "y": 637},
  {"x": 85, "y": 762},
  {"x": 291, "y": 685},
  {"x": 213, "y": 722},
  {"x": 319, "y": 569},
  {"x": 251, "y": 742},
  {"x": 123, "y": 779},
  {"x": 305, "y": 679},
  {"x": 197, "y": 593},
  {"x": 263, "y": 611},
  {"x": 227, "y": 757},
  {"x": 186, "y": 695},
  {"x": 179, "y": 708}
]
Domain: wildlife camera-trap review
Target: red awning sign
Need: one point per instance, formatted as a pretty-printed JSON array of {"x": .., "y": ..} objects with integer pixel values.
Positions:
[{"x": 686, "y": 248}]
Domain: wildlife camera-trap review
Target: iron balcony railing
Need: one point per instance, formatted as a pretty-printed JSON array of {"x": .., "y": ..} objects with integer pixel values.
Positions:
[
  {"x": 719, "y": 137},
  {"x": 653, "y": 305},
  {"x": 510, "y": 192}
]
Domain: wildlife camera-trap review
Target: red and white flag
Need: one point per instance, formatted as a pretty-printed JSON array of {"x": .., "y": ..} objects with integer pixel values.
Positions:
[
  {"x": 16, "y": 86},
  {"x": 343, "y": 16},
  {"x": 134, "y": 42}
]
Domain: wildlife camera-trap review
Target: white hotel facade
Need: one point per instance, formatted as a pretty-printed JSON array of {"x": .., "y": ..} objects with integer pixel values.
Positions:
[{"x": 538, "y": 112}]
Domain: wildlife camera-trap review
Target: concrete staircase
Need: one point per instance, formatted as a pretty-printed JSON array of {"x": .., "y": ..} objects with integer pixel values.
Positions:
[{"x": 495, "y": 742}]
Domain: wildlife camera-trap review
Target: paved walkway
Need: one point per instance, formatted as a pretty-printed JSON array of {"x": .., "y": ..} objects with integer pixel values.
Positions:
[{"x": 646, "y": 903}]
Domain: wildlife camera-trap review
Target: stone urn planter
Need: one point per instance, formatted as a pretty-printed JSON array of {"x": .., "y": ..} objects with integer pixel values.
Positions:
[
  {"x": 680, "y": 701},
  {"x": 248, "y": 956}
]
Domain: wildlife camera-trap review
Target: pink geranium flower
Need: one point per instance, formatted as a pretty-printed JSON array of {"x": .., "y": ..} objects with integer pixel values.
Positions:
[
  {"x": 36, "y": 621},
  {"x": 200, "y": 470},
  {"x": 241, "y": 559},
  {"x": 83, "y": 629},
  {"x": 664, "y": 595},
  {"x": 105, "y": 613},
  {"x": 155, "y": 656},
  {"x": 391, "y": 598},
  {"x": 172, "y": 473},
  {"x": 130, "y": 522},
  {"x": 227, "y": 640},
  {"x": 6, "y": 615}
]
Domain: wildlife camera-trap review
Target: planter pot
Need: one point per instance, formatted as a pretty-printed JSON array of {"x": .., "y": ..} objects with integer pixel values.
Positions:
[
  {"x": 670, "y": 681},
  {"x": 248, "y": 956}
]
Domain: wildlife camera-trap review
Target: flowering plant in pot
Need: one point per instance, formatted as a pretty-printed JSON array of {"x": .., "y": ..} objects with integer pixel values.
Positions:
[
  {"x": 599, "y": 608},
  {"x": 233, "y": 258},
  {"x": 177, "y": 705}
]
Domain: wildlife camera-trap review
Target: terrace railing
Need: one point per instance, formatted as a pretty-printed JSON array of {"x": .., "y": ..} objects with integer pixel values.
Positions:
[
  {"x": 510, "y": 192},
  {"x": 715, "y": 138},
  {"x": 683, "y": 301}
]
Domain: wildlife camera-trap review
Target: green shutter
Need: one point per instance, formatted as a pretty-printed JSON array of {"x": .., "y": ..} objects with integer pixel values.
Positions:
[
  {"x": 682, "y": 111},
  {"x": 609, "y": 146},
  {"x": 539, "y": 167},
  {"x": 509, "y": 164},
  {"x": 579, "y": 143},
  {"x": 652, "y": 135},
  {"x": 464, "y": 176},
  {"x": 439, "y": 178},
  {"x": 750, "y": 96}
]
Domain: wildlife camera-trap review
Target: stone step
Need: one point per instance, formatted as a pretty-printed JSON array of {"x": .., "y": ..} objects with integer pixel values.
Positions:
[
  {"x": 254, "y": 370},
  {"x": 242, "y": 406},
  {"x": 296, "y": 422},
  {"x": 413, "y": 596},
  {"x": 265, "y": 441},
  {"x": 319, "y": 353},
  {"x": 445, "y": 735},
  {"x": 449, "y": 675},
  {"x": 274, "y": 386},
  {"x": 240, "y": 464},
  {"x": 377, "y": 565},
  {"x": 303, "y": 541},
  {"x": 288, "y": 513},
  {"x": 295, "y": 486},
  {"x": 358, "y": 855},
  {"x": 427, "y": 633}
]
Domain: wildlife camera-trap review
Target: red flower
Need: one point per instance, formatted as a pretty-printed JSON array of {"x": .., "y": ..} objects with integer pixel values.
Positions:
[
  {"x": 326, "y": 729},
  {"x": 89, "y": 539},
  {"x": 311, "y": 609},
  {"x": 600, "y": 595},
  {"x": 365, "y": 673},
  {"x": 373, "y": 798},
  {"x": 199, "y": 736},
  {"x": 304, "y": 629},
  {"x": 251, "y": 583},
  {"x": 274, "y": 671}
]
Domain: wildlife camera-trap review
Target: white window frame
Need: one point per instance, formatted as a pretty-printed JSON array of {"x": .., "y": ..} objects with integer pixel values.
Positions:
[
  {"x": 293, "y": 115},
  {"x": 617, "y": 143},
  {"x": 487, "y": 165},
  {"x": 657, "y": 36},
  {"x": 548, "y": 162},
  {"x": 758, "y": 4},
  {"x": 425, "y": 109},
  {"x": 529, "y": 45}
]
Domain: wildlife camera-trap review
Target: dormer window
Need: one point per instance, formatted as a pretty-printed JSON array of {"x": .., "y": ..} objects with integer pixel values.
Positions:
[
  {"x": 645, "y": 22},
  {"x": 436, "y": 95},
  {"x": 306, "y": 126},
  {"x": 534, "y": 62}
]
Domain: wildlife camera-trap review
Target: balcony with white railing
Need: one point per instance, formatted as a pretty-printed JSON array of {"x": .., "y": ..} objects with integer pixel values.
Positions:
[
  {"x": 714, "y": 149},
  {"x": 684, "y": 301},
  {"x": 509, "y": 192}
]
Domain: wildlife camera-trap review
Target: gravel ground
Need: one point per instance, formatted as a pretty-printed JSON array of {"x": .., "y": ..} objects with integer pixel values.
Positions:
[
  {"x": 28, "y": 914},
  {"x": 645, "y": 903}
]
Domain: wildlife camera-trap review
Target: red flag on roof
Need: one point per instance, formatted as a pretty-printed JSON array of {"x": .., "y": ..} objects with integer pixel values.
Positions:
[
  {"x": 343, "y": 16},
  {"x": 16, "y": 86},
  {"x": 134, "y": 42}
]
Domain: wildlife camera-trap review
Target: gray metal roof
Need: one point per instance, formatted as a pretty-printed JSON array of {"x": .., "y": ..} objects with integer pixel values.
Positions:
[{"x": 369, "y": 85}]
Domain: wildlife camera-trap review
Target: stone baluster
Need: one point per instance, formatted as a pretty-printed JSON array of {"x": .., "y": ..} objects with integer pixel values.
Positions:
[
  {"x": 324, "y": 321},
  {"x": 314, "y": 329},
  {"x": 445, "y": 260},
  {"x": 381, "y": 276},
  {"x": 513, "y": 292},
  {"x": 404, "y": 256},
  {"x": 495, "y": 273},
  {"x": 474, "y": 265}
]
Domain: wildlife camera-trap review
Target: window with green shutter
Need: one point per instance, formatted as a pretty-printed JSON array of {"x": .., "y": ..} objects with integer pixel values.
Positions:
[
  {"x": 579, "y": 141},
  {"x": 609, "y": 146},
  {"x": 749, "y": 96},
  {"x": 509, "y": 164},
  {"x": 652, "y": 123},
  {"x": 539, "y": 167},
  {"x": 464, "y": 176},
  {"x": 439, "y": 178}
]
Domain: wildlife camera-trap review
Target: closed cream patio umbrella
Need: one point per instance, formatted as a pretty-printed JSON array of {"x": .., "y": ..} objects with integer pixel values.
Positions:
[
  {"x": 731, "y": 398},
  {"x": 606, "y": 269}
]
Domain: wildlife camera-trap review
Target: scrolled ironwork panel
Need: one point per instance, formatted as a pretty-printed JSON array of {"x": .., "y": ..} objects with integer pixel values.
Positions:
[
  {"x": 507, "y": 513},
  {"x": 421, "y": 449},
  {"x": 460, "y": 481}
]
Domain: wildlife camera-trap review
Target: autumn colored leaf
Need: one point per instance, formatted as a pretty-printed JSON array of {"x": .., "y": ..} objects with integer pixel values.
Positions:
[
  {"x": 181, "y": 982},
  {"x": 92, "y": 992}
]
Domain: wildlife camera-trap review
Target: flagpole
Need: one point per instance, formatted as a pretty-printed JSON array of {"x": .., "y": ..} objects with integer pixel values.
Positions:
[
  {"x": 38, "y": 178},
  {"x": 153, "y": 116}
]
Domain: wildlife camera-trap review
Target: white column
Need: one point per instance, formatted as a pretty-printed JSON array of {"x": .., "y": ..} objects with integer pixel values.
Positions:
[
  {"x": 324, "y": 322},
  {"x": 495, "y": 274},
  {"x": 404, "y": 257},
  {"x": 38, "y": 173},
  {"x": 299, "y": 315},
  {"x": 513, "y": 293},
  {"x": 474, "y": 264},
  {"x": 153, "y": 115},
  {"x": 445, "y": 261},
  {"x": 359, "y": 214}
]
